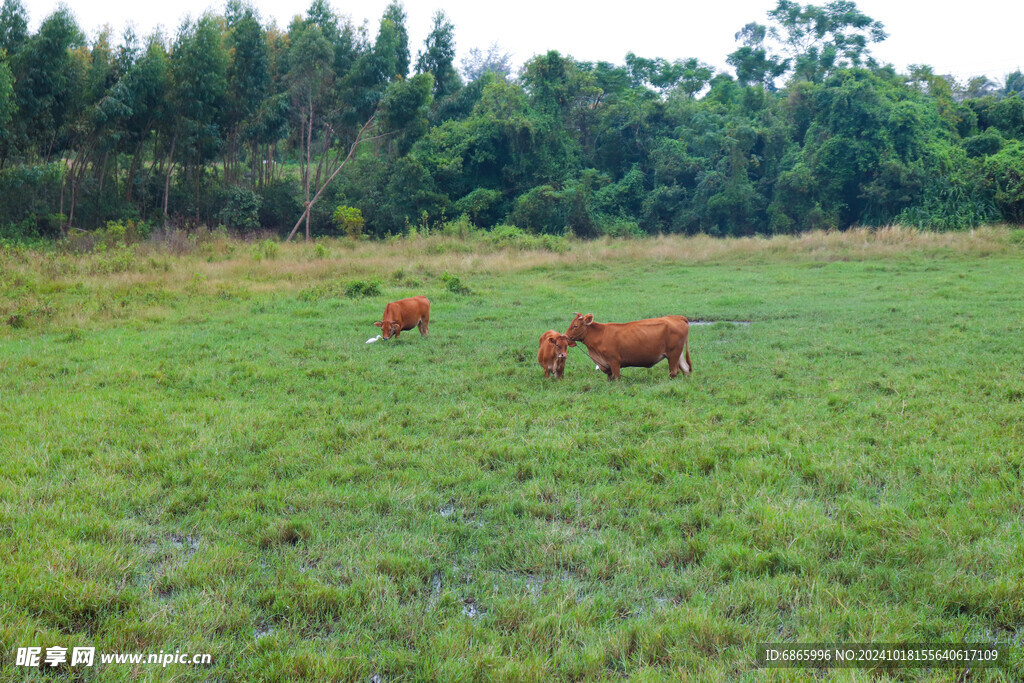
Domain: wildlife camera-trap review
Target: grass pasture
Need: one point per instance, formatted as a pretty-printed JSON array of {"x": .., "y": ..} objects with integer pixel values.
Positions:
[{"x": 198, "y": 452}]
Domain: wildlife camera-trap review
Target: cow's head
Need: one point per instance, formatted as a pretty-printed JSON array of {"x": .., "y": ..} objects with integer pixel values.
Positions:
[
  {"x": 562, "y": 344},
  {"x": 388, "y": 328},
  {"x": 578, "y": 327}
]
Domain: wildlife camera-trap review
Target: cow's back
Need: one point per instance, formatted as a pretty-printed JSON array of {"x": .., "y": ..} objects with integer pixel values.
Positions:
[
  {"x": 643, "y": 343},
  {"x": 409, "y": 311}
]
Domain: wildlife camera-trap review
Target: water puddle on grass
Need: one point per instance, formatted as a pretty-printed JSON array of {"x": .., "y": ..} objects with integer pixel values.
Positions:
[
  {"x": 189, "y": 543},
  {"x": 470, "y": 609}
]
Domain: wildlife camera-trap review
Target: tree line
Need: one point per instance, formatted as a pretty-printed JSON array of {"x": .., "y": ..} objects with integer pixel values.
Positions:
[{"x": 237, "y": 122}]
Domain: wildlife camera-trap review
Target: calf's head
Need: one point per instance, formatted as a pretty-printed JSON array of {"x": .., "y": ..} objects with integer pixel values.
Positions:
[
  {"x": 578, "y": 327},
  {"x": 561, "y": 344}
]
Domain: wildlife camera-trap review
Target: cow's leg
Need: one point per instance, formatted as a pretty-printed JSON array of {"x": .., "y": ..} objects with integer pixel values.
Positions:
[
  {"x": 422, "y": 324},
  {"x": 613, "y": 370},
  {"x": 673, "y": 363},
  {"x": 547, "y": 373}
]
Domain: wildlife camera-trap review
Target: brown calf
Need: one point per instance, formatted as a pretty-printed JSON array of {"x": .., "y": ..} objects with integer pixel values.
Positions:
[{"x": 554, "y": 347}]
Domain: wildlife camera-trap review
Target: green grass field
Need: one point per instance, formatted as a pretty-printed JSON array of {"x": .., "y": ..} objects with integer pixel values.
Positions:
[{"x": 198, "y": 452}]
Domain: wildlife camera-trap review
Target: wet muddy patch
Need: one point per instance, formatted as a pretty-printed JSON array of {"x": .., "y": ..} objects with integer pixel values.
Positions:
[{"x": 702, "y": 321}]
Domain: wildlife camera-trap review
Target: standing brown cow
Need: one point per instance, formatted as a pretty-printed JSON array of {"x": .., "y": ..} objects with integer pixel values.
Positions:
[
  {"x": 554, "y": 347},
  {"x": 639, "y": 344},
  {"x": 403, "y": 315}
]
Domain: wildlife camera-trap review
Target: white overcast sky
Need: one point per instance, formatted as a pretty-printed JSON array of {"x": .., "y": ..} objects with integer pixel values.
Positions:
[{"x": 962, "y": 38}]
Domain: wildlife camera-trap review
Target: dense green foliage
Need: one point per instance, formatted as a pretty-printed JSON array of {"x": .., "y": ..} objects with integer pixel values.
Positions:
[
  {"x": 202, "y": 454},
  {"x": 232, "y": 116}
]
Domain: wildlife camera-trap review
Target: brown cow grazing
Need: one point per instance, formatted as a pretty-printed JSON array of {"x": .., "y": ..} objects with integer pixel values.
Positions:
[
  {"x": 403, "y": 315},
  {"x": 639, "y": 344},
  {"x": 554, "y": 347}
]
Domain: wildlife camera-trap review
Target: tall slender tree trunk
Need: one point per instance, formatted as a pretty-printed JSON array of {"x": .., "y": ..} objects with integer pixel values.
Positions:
[
  {"x": 199, "y": 172},
  {"x": 167, "y": 178},
  {"x": 309, "y": 146},
  {"x": 103, "y": 172},
  {"x": 131, "y": 172},
  {"x": 77, "y": 171}
]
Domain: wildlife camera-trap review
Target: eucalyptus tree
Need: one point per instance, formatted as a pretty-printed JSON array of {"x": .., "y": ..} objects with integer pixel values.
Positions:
[
  {"x": 7, "y": 106},
  {"x": 47, "y": 83},
  {"x": 13, "y": 34},
  {"x": 357, "y": 95},
  {"x": 147, "y": 115},
  {"x": 199, "y": 65},
  {"x": 13, "y": 26},
  {"x": 438, "y": 56},
  {"x": 311, "y": 87},
  {"x": 248, "y": 77},
  {"x": 395, "y": 13},
  {"x": 94, "y": 134}
]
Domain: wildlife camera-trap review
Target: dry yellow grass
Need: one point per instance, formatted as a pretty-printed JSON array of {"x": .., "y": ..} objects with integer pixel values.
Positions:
[{"x": 222, "y": 266}]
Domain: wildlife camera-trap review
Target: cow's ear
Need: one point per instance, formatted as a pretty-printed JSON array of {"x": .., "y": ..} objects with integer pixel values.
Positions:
[
  {"x": 553, "y": 340},
  {"x": 588, "y": 318},
  {"x": 572, "y": 343},
  {"x": 380, "y": 324}
]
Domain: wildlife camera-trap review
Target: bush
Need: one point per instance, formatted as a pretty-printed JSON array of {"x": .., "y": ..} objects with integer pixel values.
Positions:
[
  {"x": 541, "y": 209},
  {"x": 114, "y": 234},
  {"x": 31, "y": 195},
  {"x": 454, "y": 284},
  {"x": 361, "y": 288},
  {"x": 480, "y": 206},
  {"x": 349, "y": 220},
  {"x": 1006, "y": 169},
  {"x": 462, "y": 227},
  {"x": 509, "y": 236},
  {"x": 985, "y": 144},
  {"x": 616, "y": 227},
  {"x": 241, "y": 210},
  {"x": 280, "y": 206},
  {"x": 267, "y": 249}
]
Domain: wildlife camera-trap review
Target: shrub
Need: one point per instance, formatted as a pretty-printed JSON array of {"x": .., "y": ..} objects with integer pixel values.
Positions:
[
  {"x": 454, "y": 284},
  {"x": 114, "y": 234},
  {"x": 349, "y": 220},
  {"x": 622, "y": 228},
  {"x": 280, "y": 205},
  {"x": 1006, "y": 169},
  {"x": 360, "y": 288},
  {"x": 461, "y": 227},
  {"x": 984, "y": 144},
  {"x": 30, "y": 194},
  {"x": 241, "y": 210},
  {"x": 509, "y": 236},
  {"x": 267, "y": 249},
  {"x": 480, "y": 206}
]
